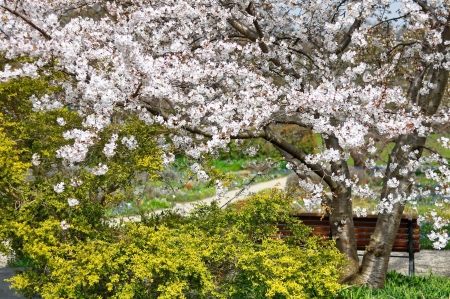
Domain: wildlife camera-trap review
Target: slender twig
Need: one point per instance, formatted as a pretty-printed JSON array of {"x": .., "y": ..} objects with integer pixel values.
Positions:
[
  {"x": 240, "y": 191},
  {"x": 401, "y": 45},
  {"x": 388, "y": 20},
  {"x": 432, "y": 151}
]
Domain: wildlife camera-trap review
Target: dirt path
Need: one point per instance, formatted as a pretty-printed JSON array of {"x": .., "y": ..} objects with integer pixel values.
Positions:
[{"x": 232, "y": 195}]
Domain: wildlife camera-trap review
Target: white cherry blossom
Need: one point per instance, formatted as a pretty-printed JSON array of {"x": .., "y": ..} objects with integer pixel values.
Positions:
[
  {"x": 59, "y": 188},
  {"x": 73, "y": 202}
]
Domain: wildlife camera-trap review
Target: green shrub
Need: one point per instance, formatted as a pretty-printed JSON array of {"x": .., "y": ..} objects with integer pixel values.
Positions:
[{"x": 211, "y": 253}]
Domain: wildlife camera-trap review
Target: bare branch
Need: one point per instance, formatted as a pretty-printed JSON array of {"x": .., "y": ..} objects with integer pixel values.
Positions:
[
  {"x": 337, "y": 10},
  {"x": 28, "y": 21},
  {"x": 136, "y": 93},
  {"x": 304, "y": 54},
  {"x": 7, "y": 35},
  {"x": 251, "y": 11},
  {"x": 249, "y": 33}
]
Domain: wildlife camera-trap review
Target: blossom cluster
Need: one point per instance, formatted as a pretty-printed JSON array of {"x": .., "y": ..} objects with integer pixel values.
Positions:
[{"x": 204, "y": 68}]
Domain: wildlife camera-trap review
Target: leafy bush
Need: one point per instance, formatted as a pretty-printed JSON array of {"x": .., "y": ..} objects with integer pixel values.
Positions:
[{"x": 211, "y": 253}]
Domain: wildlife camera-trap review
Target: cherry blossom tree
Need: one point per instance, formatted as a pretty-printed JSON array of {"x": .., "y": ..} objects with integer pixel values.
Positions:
[{"x": 216, "y": 71}]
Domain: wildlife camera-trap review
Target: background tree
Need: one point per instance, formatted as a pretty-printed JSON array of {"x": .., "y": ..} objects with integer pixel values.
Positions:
[{"x": 220, "y": 70}]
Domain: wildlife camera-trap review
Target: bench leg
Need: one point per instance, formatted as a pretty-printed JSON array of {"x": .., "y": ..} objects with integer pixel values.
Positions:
[{"x": 411, "y": 263}]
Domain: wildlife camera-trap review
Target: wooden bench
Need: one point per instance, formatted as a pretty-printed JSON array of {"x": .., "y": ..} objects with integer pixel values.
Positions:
[{"x": 406, "y": 240}]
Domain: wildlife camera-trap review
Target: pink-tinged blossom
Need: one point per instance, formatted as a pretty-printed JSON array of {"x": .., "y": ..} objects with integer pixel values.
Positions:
[
  {"x": 61, "y": 121},
  {"x": 351, "y": 134},
  {"x": 201, "y": 174},
  {"x": 167, "y": 159},
  {"x": 97, "y": 122},
  {"x": 220, "y": 190},
  {"x": 439, "y": 239},
  {"x": 45, "y": 103},
  {"x": 75, "y": 182},
  {"x": 78, "y": 151},
  {"x": 393, "y": 183},
  {"x": 360, "y": 212}
]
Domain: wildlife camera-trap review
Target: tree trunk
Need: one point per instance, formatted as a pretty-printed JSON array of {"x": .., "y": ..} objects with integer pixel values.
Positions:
[
  {"x": 375, "y": 262},
  {"x": 376, "y": 257},
  {"x": 341, "y": 214}
]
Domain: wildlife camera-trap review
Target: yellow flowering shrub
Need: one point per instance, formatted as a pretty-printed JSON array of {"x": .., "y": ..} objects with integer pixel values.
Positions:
[{"x": 211, "y": 253}]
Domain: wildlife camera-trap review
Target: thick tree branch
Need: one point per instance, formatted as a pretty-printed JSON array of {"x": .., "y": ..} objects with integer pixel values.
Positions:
[
  {"x": 243, "y": 29},
  {"x": 348, "y": 36},
  {"x": 304, "y": 54},
  {"x": 300, "y": 155},
  {"x": 416, "y": 84},
  {"x": 326, "y": 200},
  {"x": 251, "y": 10}
]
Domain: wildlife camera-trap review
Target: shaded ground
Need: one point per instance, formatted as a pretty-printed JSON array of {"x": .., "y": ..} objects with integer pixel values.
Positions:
[{"x": 5, "y": 291}]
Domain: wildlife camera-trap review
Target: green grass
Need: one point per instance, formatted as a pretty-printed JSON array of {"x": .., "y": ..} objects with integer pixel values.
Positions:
[
  {"x": 230, "y": 165},
  {"x": 23, "y": 262},
  {"x": 399, "y": 286},
  {"x": 155, "y": 204}
]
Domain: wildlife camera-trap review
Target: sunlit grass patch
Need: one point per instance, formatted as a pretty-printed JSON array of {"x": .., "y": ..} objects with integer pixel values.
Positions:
[{"x": 404, "y": 287}]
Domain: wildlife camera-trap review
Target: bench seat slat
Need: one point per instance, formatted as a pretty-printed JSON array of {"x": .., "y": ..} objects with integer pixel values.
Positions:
[{"x": 364, "y": 228}]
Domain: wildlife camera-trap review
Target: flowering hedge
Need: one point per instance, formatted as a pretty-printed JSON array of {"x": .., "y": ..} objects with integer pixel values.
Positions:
[{"x": 211, "y": 253}]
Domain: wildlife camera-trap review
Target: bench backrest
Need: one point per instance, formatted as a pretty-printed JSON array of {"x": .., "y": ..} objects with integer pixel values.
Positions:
[{"x": 364, "y": 227}]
